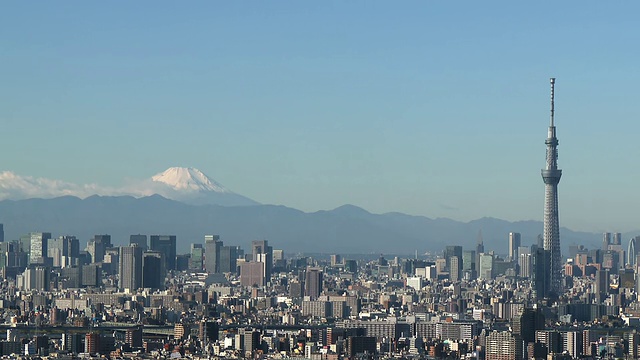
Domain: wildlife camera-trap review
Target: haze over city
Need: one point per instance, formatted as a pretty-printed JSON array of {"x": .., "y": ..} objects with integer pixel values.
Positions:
[
  {"x": 432, "y": 109},
  {"x": 358, "y": 180}
]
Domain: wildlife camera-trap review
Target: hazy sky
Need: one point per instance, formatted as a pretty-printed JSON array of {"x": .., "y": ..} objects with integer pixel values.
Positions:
[{"x": 429, "y": 108}]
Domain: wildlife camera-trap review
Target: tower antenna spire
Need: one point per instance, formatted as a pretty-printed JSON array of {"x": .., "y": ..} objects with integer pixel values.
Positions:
[{"x": 553, "y": 83}]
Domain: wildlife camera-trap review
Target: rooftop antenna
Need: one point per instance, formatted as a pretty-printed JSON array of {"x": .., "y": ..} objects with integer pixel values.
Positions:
[{"x": 553, "y": 82}]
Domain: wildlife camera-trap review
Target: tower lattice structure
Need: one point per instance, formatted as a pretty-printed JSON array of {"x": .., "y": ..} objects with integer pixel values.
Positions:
[{"x": 551, "y": 176}]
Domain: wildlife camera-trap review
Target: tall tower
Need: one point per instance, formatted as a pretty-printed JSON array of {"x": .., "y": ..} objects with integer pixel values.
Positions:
[{"x": 551, "y": 176}]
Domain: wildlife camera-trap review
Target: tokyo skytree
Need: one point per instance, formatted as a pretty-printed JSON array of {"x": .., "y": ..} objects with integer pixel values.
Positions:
[{"x": 551, "y": 176}]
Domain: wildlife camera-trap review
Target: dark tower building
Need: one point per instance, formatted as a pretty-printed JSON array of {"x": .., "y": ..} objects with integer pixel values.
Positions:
[
  {"x": 526, "y": 324},
  {"x": 1, "y": 233},
  {"x": 551, "y": 176},
  {"x": 141, "y": 240},
  {"x": 228, "y": 259},
  {"x": 540, "y": 275},
  {"x": 212, "y": 246},
  {"x": 153, "y": 270},
  {"x": 130, "y": 269},
  {"x": 165, "y": 244},
  {"x": 451, "y": 251},
  {"x": 479, "y": 250},
  {"x": 313, "y": 283}
]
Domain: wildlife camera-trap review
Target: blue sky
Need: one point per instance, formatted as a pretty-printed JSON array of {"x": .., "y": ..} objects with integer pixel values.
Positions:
[{"x": 428, "y": 108}]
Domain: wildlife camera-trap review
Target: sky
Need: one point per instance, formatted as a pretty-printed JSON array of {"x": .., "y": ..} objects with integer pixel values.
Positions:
[{"x": 423, "y": 107}]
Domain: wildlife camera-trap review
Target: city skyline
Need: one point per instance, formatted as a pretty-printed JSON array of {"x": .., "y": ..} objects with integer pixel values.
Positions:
[{"x": 314, "y": 107}]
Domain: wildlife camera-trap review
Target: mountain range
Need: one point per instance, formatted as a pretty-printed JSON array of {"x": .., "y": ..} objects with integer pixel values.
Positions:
[
  {"x": 187, "y": 203},
  {"x": 347, "y": 229}
]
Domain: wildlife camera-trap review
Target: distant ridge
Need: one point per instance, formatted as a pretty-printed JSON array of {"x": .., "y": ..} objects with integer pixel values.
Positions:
[{"x": 346, "y": 229}]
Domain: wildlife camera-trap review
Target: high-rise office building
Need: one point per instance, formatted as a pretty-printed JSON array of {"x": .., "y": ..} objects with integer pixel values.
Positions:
[
  {"x": 453, "y": 250},
  {"x": 469, "y": 263},
  {"x": 524, "y": 262},
  {"x": 479, "y": 250},
  {"x": 98, "y": 246},
  {"x": 212, "y": 245},
  {"x": 313, "y": 283},
  {"x": 1, "y": 233},
  {"x": 130, "y": 269},
  {"x": 91, "y": 275},
  {"x": 632, "y": 252},
  {"x": 455, "y": 271},
  {"x": 64, "y": 250},
  {"x": 252, "y": 274},
  {"x": 36, "y": 278},
  {"x": 486, "y": 266},
  {"x": 228, "y": 259},
  {"x": 197, "y": 257},
  {"x": 153, "y": 269},
  {"x": 551, "y": 176},
  {"x": 165, "y": 244},
  {"x": 514, "y": 244},
  {"x": 140, "y": 240},
  {"x": 617, "y": 239},
  {"x": 606, "y": 241},
  {"x": 71, "y": 277},
  {"x": 263, "y": 253},
  {"x": 526, "y": 324},
  {"x": 540, "y": 274},
  {"x": 38, "y": 247},
  {"x": 601, "y": 285}
]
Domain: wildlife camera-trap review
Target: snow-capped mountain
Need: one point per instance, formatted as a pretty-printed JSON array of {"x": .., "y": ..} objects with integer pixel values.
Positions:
[
  {"x": 192, "y": 186},
  {"x": 187, "y": 185},
  {"x": 188, "y": 179}
]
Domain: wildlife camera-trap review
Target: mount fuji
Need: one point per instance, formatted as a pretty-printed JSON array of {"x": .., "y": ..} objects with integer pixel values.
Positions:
[
  {"x": 187, "y": 185},
  {"x": 192, "y": 186}
]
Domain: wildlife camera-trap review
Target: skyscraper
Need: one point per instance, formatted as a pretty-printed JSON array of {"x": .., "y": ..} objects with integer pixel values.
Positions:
[
  {"x": 313, "y": 283},
  {"x": 263, "y": 253},
  {"x": 38, "y": 247},
  {"x": 130, "y": 269},
  {"x": 64, "y": 250},
  {"x": 1, "y": 232},
  {"x": 606, "y": 240},
  {"x": 551, "y": 176},
  {"x": 228, "y": 259},
  {"x": 98, "y": 246},
  {"x": 212, "y": 245},
  {"x": 454, "y": 272},
  {"x": 539, "y": 273},
  {"x": 486, "y": 266},
  {"x": 139, "y": 239},
  {"x": 617, "y": 239},
  {"x": 450, "y": 251},
  {"x": 631, "y": 252},
  {"x": 514, "y": 244},
  {"x": 165, "y": 244},
  {"x": 197, "y": 257},
  {"x": 469, "y": 263},
  {"x": 479, "y": 250},
  {"x": 153, "y": 269},
  {"x": 601, "y": 285}
]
